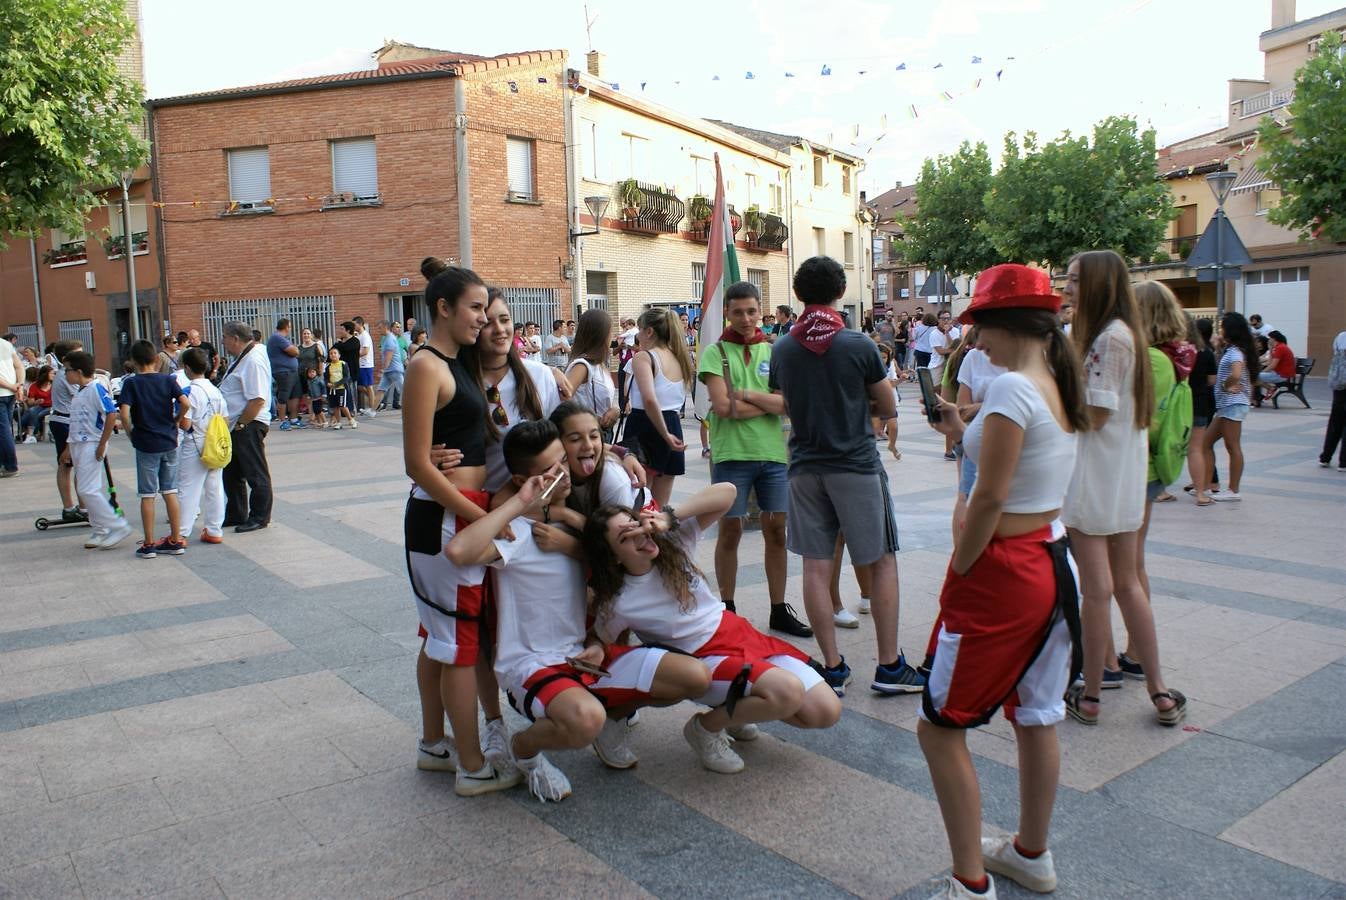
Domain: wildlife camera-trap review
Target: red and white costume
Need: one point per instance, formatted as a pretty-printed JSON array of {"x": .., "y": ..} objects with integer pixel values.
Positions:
[{"x": 450, "y": 598}]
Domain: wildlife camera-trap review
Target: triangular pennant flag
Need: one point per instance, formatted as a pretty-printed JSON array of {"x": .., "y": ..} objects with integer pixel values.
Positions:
[
  {"x": 976, "y": 60},
  {"x": 863, "y": 72},
  {"x": 827, "y": 70},
  {"x": 855, "y": 131},
  {"x": 716, "y": 78},
  {"x": 615, "y": 86},
  {"x": 883, "y": 121},
  {"x": 947, "y": 95},
  {"x": 939, "y": 65},
  {"x": 749, "y": 76},
  {"x": 901, "y": 67},
  {"x": 914, "y": 114},
  {"x": 976, "y": 84},
  {"x": 789, "y": 74},
  {"x": 998, "y": 73},
  {"x": 642, "y": 85}
]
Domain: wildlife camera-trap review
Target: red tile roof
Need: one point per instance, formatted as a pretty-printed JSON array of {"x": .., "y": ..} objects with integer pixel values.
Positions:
[{"x": 1193, "y": 161}]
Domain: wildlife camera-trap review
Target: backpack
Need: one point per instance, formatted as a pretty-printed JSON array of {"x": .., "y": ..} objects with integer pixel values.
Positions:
[
  {"x": 1170, "y": 430},
  {"x": 1336, "y": 370}
]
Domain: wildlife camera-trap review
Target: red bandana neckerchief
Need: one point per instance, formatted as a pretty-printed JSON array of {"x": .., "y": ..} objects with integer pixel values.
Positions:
[
  {"x": 816, "y": 328},
  {"x": 1183, "y": 357},
  {"x": 730, "y": 336}
]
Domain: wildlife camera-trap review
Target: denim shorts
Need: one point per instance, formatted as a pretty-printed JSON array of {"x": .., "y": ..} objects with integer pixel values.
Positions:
[
  {"x": 1236, "y": 413},
  {"x": 967, "y": 476},
  {"x": 768, "y": 480},
  {"x": 156, "y": 473},
  {"x": 391, "y": 381}
]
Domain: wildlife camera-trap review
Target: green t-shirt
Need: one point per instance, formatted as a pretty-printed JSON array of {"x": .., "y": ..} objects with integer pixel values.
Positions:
[{"x": 755, "y": 439}]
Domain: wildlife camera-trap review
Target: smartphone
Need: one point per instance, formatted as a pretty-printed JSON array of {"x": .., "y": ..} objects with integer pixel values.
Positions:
[
  {"x": 546, "y": 492},
  {"x": 582, "y": 666},
  {"x": 929, "y": 395}
]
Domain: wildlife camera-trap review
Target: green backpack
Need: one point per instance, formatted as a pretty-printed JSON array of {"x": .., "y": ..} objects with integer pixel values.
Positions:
[{"x": 1170, "y": 428}]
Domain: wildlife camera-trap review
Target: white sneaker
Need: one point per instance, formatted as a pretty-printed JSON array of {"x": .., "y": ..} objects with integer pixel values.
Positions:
[
  {"x": 95, "y": 540},
  {"x": 354, "y": 424},
  {"x": 634, "y": 718},
  {"x": 1000, "y": 857},
  {"x": 545, "y": 781},
  {"x": 863, "y": 608},
  {"x": 844, "y": 618},
  {"x": 30, "y": 440},
  {"x": 441, "y": 756},
  {"x": 712, "y": 748},
  {"x": 115, "y": 536},
  {"x": 495, "y": 743},
  {"x": 613, "y": 745},
  {"x": 953, "y": 889},
  {"x": 1226, "y": 497},
  {"x": 485, "y": 780},
  {"x": 745, "y": 732}
]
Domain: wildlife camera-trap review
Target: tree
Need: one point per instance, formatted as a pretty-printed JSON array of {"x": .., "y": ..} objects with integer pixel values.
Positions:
[
  {"x": 1048, "y": 203},
  {"x": 945, "y": 232},
  {"x": 69, "y": 121},
  {"x": 1310, "y": 163}
]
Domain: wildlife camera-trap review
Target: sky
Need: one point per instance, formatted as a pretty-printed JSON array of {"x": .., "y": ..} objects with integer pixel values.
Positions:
[{"x": 1062, "y": 64}]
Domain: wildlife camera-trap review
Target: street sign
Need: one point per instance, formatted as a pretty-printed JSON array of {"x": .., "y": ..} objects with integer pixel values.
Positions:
[
  {"x": 1230, "y": 247},
  {"x": 404, "y": 282}
]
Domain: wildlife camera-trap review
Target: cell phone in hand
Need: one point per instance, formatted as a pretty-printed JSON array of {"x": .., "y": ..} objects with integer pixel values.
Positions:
[
  {"x": 581, "y": 665},
  {"x": 928, "y": 395}
]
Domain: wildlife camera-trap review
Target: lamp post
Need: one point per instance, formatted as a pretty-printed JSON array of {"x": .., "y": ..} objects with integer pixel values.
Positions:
[
  {"x": 128, "y": 255},
  {"x": 597, "y": 206},
  {"x": 1220, "y": 183}
]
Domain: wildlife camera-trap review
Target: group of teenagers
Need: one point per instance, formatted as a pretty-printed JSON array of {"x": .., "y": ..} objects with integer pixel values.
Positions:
[{"x": 541, "y": 564}]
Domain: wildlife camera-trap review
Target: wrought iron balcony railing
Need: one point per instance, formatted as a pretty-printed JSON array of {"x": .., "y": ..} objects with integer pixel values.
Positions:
[{"x": 659, "y": 212}]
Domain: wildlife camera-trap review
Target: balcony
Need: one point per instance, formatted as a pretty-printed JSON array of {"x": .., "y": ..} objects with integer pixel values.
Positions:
[
  {"x": 1266, "y": 101},
  {"x": 700, "y": 231},
  {"x": 659, "y": 212},
  {"x": 115, "y": 247},
  {"x": 349, "y": 200},
  {"x": 66, "y": 255},
  {"x": 773, "y": 235},
  {"x": 1180, "y": 247}
]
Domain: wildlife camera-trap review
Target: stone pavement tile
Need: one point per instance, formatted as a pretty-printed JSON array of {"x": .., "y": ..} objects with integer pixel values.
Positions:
[
  {"x": 1207, "y": 783},
  {"x": 1075, "y": 882},
  {"x": 151, "y": 723},
  {"x": 100, "y": 698},
  {"x": 385, "y": 681},
  {"x": 370, "y": 802},
  {"x": 564, "y": 869},
  {"x": 238, "y": 672},
  {"x": 165, "y": 659},
  {"x": 1307, "y": 630},
  {"x": 68, "y": 773},
  {"x": 303, "y": 561},
  {"x": 187, "y": 853},
  {"x": 378, "y": 749},
  {"x": 1225, "y": 680},
  {"x": 1221, "y": 623},
  {"x": 20, "y": 782},
  {"x": 114, "y": 646},
  {"x": 1285, "y": 587},
  {"x": 351, "y": 645},
  {"x": 51, "y": 612},
  {"x": 284, "y": 725},
  {"x": 1305, "y": 825},
  {"x": 202, "y": 890},
  {"x": 202, "y": 631},
  {"x": 97, "y": 734},
  {"x": 1306, "y": 719},
  {"x": 17, "y": 685},
  {"x": 1283, "y": 650},
  {"x": 9, "y": 716},
  {"x": 195, "y": 791},
  {"x": 51, "y": 878},
  {"x": 378, "y": 516},
  {"x": 46, "y": 829}
]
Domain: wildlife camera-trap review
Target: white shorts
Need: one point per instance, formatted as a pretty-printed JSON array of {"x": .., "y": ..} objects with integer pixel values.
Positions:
[
  {"x": 719, "y": 685},
  {"x": 450, "y": 599},
  {"x": 630, "y": 675}
]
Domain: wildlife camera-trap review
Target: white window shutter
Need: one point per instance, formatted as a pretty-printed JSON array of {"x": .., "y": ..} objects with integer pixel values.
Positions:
[
  {"x": 250, "y": 175},
  {"x": 355, "y": 168},
  {"x": 519, "y": 160}
]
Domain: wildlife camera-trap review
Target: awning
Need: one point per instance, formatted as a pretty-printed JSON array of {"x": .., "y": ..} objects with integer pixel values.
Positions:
[{"x": 1251, "y": 179}]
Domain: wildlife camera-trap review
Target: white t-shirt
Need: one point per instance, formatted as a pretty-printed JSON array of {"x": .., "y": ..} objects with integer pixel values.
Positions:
[
  {"x": 1107, "y": 493},
  {"x": 1047, "y": 459},
  {"x": 977, "y": 372},
  {"x": 250, "y": 379},
  {"x": 204, "y": 400},
  {"x": 9, "y": 374},
  {"x": 540, "y": 602},
  {"x": 936, "y": 366},
  {"x": 88, "y": 411},
  {"x": 555, "y": 350},
  {"x": 62, "y": 394},
  {"x": 628, "y": 337},
  {"x": 598, "y": 392},
  {"x": 497, "y": 473},
  {"x": 366, "y": 349},
  {"x": 646, "y": 607},
  {"x": 922, "y": 334}
]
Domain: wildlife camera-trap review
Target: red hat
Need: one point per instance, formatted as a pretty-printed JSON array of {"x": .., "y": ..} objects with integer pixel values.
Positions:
[{"x": 1011, "y": 286}]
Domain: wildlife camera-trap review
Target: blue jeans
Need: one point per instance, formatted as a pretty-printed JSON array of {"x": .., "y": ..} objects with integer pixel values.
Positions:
[
  {"x": 767, "y": 479},
  {"x": 9, "y": 459}
]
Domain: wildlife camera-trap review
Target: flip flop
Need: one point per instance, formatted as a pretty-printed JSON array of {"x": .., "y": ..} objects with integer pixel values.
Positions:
[
  {"x": 1165, "y": 497},
  {"x": 1207, "y": 502}
]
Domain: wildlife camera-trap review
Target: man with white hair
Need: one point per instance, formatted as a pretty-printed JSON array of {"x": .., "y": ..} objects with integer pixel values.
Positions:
[{"x": 246, "y": 387}]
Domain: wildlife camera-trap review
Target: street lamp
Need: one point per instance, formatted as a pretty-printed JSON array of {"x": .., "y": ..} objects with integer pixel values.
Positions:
[
  {"x": 1220, "y": 184},
  {"x": 128, "y": 254},
  {"x": 597, "y": 207}
]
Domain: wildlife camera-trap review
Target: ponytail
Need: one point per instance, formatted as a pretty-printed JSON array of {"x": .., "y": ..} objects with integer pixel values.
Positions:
[
  {"x": 667, "y": 330},
  {"x": 1064, "y": 360}
]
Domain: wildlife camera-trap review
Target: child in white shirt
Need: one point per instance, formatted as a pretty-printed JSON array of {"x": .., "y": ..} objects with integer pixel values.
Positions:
[{"x": 92, "y": 420}]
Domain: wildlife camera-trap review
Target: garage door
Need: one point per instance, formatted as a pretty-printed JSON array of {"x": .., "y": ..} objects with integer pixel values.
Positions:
[{"x": 1281, "y": 297}]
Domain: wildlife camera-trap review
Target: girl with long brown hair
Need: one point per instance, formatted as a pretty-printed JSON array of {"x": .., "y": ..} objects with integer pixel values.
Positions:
[
  {"x": 654, "y": 428},
  {"x": 1105, "y": 506},
  {"x": 588, "y": 370}
]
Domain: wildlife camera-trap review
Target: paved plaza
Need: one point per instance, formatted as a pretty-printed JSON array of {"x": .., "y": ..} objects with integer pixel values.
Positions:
[{"x": 241, "y": 721}]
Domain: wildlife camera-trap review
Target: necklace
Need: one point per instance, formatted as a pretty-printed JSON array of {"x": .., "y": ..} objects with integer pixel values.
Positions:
[{"x": 495, "y": 368}]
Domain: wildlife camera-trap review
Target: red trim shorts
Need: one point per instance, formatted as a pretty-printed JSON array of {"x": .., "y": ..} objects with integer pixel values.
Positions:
[
  {"x": 450, "y": 599},
  {"x": 736, "y": 644},
  {"x": 630, "y": 676},
  {"x": 1001, "y": 639}
]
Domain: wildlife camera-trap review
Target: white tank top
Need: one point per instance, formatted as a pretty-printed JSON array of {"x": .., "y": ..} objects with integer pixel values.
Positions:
[
  {"x": 670, "y": 394},
  {"x": 597, "y": 392}
]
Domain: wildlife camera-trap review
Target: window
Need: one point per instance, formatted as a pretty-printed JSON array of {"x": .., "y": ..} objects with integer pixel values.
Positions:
[
  {"x": 879, "y": 244},
  {"x": 1252, "y": 277},
  {"x": 698, "y": 280},
  {"x": 703, "y": 176},
  {"x": 519, "y": 162},
  {"x": 846, "y": 180},
  {"x": 588, "y": 140},
  {"x": 751, "y": 179},
  {"x": 637, "y": 155},
  {"x": 250, "y": 177},
  {"x": 777, "y": 199},
  {"x": 1271, "y": 276},
  {"x": 78, "y": 330},
  {"x": 66, "y": 249},
  {"x": 1266, "y": 199},
  {"x": 355, "y": 169},
  {"x": 882, "y": 281},
  {"x": 819, "y": 242},
  {"x": 817, "y": 171},
  {"x": 848, "y": 248},
  {"x": 139, "y": 218},
  {"x": 759, "y": 278}
]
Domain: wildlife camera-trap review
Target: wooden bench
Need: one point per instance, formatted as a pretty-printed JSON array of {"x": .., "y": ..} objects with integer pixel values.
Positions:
[{"x": 1295, "y": 386}]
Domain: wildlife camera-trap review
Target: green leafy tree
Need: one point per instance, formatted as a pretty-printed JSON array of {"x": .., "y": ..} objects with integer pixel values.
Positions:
[
  {"x": 69, "y": 121},
  {"x": 1052, "y": 201},
  {"x": 1309, "y": 163},
  {"x": 950, "y": 207}
]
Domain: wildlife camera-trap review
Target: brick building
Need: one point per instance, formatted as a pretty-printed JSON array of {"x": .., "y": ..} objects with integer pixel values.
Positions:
[{"x": 318, "y": 198}]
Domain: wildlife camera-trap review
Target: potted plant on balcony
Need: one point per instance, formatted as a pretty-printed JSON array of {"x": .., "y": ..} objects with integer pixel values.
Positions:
[
  {"x": 114, "y": 246},
  {"x": 752, "y": 221},
  {"x": 699, "y": 212},
  {"x": 632, "y": 198}
]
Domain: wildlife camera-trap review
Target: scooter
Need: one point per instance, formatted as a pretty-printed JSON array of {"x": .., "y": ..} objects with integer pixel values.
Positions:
[{"x": 79, "y": 517}]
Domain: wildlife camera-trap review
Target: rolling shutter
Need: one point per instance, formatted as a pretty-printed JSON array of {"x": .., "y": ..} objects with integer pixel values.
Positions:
[
  {"x": 250, "y": 175},
  {"x": 519, "y": 160},
  {"x": 355, "y": 168}
]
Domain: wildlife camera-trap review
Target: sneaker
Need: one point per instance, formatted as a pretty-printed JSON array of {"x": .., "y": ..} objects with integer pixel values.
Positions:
[
  {"x": 844, "y": 618},
  {"x": 9, "y": 473},
  {"x": 30, "y": 440},
  {"x": 837, "y": 677},
  {"x": 953, "y": 889},
  {"x": 485, "y": 780},
  {"x": 633, "y": 719},
  {"x": 545, "y": 781},
  {"x": 1325, "y": 463},
  {"x": 613, "y": 745},
  {"x": 729, "y": 605},
  {"x": 208, "y": 538},
  {"x": 441, "y": 756},
  {"x": 897, "y": 679},
  {"x": 147, "y": 551},
  {"x": 1130, "y": 668},
  {"x": 95, "y": 540},
  {"x": 370, "y": 412},
  {"x": 1112, "y": 679},
  {"x": 712, "y": 748},
  {"x": 354, "y": 424},
  {"x": 337, "y": 426},
  {"x": 1000, "y": 856},
  {"x": 863, "y": 608},
  {"x": 115, "y": 536},
  {"x": 286, "y": 426},
  {"x": 783, "y": 619},
  {"x": 950, "y": 456},
  {"x": 74, "y": 514},
  {"x": 299, "y": 423},
  {"x": 747, "y": 732},
  {"x": 495, "y": 742},
  {"x": 1225, "y": 497},
  {"x": 170, "y": 547}
]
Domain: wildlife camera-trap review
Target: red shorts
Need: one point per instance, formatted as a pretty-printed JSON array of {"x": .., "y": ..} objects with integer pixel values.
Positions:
[
  {"x": 736, "y": 644},
  {"x": 450, "y": 598},
  {"x": 999, "y": 639},
  {"x": 630, "y": 675}
]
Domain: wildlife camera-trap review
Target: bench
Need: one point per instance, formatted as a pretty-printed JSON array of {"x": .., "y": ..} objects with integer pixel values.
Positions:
[{"x": 1295, "y": 386}]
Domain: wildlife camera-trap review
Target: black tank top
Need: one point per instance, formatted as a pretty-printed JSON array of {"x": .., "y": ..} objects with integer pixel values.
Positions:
[{"x": 461, "y": 425}]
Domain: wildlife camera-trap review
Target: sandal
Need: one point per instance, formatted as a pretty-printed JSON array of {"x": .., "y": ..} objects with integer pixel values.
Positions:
[
  {"x": 1165, "y": 497},
  {"x": 1205, "y": 501},
  {"x": 1175, "y": 713},
  {"x": 1073, "y": 698}
]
